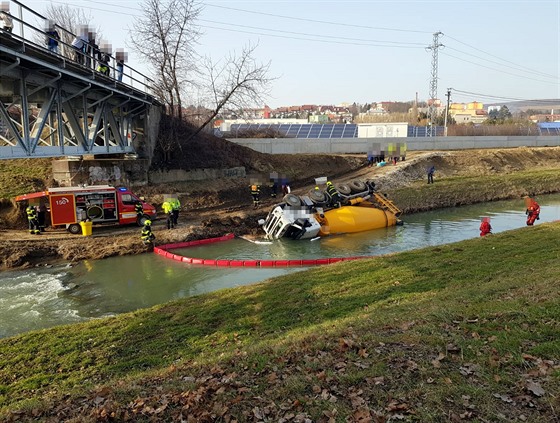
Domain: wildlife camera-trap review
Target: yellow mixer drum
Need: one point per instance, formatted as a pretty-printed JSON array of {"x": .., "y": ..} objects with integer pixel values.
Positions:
[{"x": 347, "y": 219}]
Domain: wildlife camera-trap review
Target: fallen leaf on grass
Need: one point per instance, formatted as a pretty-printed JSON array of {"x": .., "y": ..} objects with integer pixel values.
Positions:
[
  {"x": 345, "y": 344},
  {"x": 504, "y": 398},
  {"x": 436, "y": 362},
  {"x": 468, "y": 369},
  {"x": 379, "y": 380},
  {"x": 453, "y": 349},
  {"x": 362, "y": 416},
  {"x": 535, "y": 388}
]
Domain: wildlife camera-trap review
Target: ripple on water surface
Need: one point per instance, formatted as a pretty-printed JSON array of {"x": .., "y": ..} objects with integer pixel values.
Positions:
[{"x": 33, "y": 299}]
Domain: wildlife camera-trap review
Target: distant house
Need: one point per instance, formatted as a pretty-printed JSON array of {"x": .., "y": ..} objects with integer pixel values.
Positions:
[{"x": 468, "y": 112}]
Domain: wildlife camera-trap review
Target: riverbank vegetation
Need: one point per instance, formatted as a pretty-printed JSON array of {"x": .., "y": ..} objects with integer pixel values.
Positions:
[
  {"x": 464, "y": 190},
  {"x": 462, "y": 332},
  {"x": 22, "y": 176}
]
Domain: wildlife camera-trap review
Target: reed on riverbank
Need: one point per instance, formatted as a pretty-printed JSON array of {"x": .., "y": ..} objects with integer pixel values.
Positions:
[{"x": 463, "y": 332}]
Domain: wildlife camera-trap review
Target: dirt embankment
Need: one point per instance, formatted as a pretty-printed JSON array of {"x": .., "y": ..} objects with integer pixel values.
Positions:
[{"x": 213, "y": 208}]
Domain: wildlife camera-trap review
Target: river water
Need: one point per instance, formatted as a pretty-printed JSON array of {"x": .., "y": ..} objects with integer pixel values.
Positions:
[{"x": 45, "y": 297}]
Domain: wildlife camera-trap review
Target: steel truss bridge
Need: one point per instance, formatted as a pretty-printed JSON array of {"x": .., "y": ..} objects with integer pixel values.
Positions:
[{"x": 51, "y": 105}]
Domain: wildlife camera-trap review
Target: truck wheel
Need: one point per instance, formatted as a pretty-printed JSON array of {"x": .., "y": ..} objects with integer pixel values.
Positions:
[
  {"x": 292, "y": 200},
  {"x": 142, "y": 219},
  {"x": 344, "y": 189},
  {"x": 317, "y": 196},
  {"x": 357, "y": 186},
  {"x": 371, "y": 185},
  {"x": 74, "y": 229}
]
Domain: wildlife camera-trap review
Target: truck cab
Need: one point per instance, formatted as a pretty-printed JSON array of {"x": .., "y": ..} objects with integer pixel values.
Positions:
[{"x": 127, "y": 200}]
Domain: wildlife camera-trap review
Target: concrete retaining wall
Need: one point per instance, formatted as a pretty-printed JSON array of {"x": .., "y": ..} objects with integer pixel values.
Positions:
[
  {"x": 363, "y": 145},
  {"x": 179, "y": 175},
  {"x": 100, "y": 172}
]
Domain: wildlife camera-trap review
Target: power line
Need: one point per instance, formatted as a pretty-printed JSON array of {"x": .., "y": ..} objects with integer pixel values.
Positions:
[
  {"x": 499, "y": 64},
  {"x": 306, "y": 39},
  {"x": 492, "y": 55},
  {"x": 318, "y": 21},
  {"x": 313, "y": 35},
  {"x": 371, "y": 43},
  {"x": 502, "y": 71},
  {"x": 496, "y": 97}
]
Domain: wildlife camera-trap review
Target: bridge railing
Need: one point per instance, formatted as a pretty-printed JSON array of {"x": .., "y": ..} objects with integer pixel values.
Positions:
[{"x": 30, "y": 28}]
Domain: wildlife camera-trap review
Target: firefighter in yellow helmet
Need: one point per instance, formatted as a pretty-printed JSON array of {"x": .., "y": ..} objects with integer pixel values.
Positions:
[
  {"x": 32, "y": 219},
  {"x": 333, "y": 193},
  {"x": 256, "y": 194},
  {"x": 147, "y": 235}
]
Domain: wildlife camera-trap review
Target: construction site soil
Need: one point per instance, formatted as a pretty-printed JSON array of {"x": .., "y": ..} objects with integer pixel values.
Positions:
[{"x": 216, "y": 207}]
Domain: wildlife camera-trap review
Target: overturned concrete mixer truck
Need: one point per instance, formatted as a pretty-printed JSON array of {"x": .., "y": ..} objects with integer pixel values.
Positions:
[{"x": 359, "y": 207}]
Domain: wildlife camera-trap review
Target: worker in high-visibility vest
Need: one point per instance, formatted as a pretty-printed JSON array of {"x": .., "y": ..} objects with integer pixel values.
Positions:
[
  {"x": 32, "y": 220},
  {"x": 168, "y": 210},
  {"x": 175, "y": 206}
]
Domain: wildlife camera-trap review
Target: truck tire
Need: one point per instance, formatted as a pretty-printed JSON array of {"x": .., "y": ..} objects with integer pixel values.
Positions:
[
  {"x": 74, "y": 229},
  {"x": 142, "y": 219},
  {"x": 357, "y": 186},
  {"x": 292, "y": 200},
  {"x": 317, "y": 196},
  {"x": 343, "y": 189}
]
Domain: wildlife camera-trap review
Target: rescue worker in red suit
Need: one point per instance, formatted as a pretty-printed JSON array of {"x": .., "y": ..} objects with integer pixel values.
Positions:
[
  {"x": 485, "y": 227},
  {"x": 532, "y": 212}
]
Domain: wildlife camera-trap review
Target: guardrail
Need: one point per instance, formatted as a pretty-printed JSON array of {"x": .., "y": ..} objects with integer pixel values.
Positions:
[{"x": 31, "y": 33}]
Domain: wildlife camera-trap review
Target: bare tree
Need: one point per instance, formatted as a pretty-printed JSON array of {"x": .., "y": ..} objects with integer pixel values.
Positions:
[
  {"x": 238, "y": 81},
  {"x": 165, "y": 37}
]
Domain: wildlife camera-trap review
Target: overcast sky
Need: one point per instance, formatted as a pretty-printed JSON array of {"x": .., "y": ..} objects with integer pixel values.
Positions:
[{"x": 330, "y": 52}]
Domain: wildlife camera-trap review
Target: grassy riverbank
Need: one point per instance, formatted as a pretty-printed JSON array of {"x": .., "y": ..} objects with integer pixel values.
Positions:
[
  {"x": 461, "y": 190},
  {"x": 462, "y": 332}
]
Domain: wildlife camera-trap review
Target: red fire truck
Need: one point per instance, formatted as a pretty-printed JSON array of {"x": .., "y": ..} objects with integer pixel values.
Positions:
[{"x": 97, "y": 203}]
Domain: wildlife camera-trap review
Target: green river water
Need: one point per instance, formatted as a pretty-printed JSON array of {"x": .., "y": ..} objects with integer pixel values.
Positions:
[{"x": 45, "y": 297}]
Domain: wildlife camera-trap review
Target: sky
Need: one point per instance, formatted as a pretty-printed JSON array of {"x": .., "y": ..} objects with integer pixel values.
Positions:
[{"x": 333, "y": 52}]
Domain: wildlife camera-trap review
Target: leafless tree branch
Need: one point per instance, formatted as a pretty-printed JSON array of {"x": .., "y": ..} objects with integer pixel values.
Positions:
[{"x": 165, "y": 36}]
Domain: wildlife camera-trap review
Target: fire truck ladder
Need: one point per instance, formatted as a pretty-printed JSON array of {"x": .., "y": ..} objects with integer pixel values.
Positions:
[{"x": 387, "y": 204}]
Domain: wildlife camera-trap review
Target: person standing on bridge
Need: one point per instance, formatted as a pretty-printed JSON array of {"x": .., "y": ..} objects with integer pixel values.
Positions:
[
  {"x": 80, "y": 43},
  {"x": 120, "y": 70},
  {"x": 103, "y": 66},
  {"x": 53, "y": 37},
  {"x": 5, "y": 17}
]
